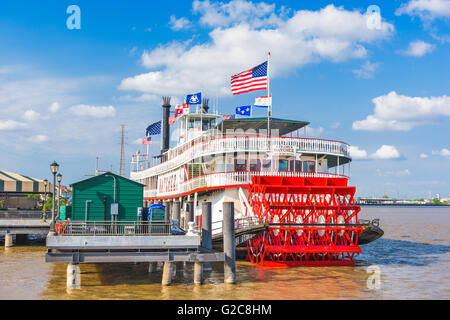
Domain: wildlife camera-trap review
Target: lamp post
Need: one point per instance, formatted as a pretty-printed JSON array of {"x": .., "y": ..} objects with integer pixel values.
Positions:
[
  {"x": 54, "y": 169},
  {"x": 59, "y": 178},
  {"x": 45, "y": 198}
]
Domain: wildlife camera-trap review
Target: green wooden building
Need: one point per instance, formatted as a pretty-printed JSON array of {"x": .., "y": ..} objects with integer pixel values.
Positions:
[{"x": 94, "y": 199}]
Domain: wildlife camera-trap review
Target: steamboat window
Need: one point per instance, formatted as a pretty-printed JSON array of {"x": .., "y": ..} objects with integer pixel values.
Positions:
[
  {"x": 298, "y": 166},
  {"x": 255, "y": 165},
  {"x": 267, "y": 164},
  {"x": 283, "y": 165},
  {"x": 309, "y": 166},
  {"x": 240, "y": 165}
]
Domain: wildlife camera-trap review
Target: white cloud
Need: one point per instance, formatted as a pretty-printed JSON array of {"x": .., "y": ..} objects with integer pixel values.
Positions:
[
  {"x": 425, "y": 9},
  {"x": 403, "y": 113},
  {"x": 443, "y": 152},
  {"x": 9, "y": 69},
  {"x": 142, "y": 98},
  {"x": 357, "y": 153},
  {"x": 10, "y": 124},
  {"x": 54, "y": 107},
  {"x": 418, "y": 49},
  {"x": 178, "y": 24},
  {"x": 31, "y": 115},
  {"x": 332, "y": 34},
  {"x": 336, "y": 125},
  {"x": 221, "y": 14},
  {"x": 312, "y": 132},
  {"x": 40, "y": 138},
  {"x": 386, "y": 152},
  {"x": 401, "y": 173},
  {"x": 138, "y": 141},
  {"x": 423, "y": 156},
  {"x": 93, "y": 111},
  {"x": 367, "y": 70}
]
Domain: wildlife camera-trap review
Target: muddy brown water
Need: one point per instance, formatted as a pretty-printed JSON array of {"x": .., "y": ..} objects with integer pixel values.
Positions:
[{"x": 413, "y": 260}]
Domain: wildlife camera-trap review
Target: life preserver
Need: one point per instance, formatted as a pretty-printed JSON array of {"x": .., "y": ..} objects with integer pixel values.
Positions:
[{"x": 59, "y": 228}]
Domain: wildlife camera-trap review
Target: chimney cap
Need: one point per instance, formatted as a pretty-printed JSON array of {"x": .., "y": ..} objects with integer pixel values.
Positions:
[{"x": 166, "y": 101}]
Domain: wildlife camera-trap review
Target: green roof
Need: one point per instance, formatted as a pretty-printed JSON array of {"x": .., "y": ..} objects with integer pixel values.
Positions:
[
  {"x": 284, "y": 126},
  {"x": 106, "y": 173}
]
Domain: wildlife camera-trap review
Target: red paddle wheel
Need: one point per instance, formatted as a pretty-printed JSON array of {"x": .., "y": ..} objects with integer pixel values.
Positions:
[{"x": 312, "y": 221}]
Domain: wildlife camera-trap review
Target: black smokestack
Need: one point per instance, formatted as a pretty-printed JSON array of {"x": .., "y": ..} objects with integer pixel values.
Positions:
[
  {"x": 205, "y": 106},
  {"x": 165, "y": 124}
]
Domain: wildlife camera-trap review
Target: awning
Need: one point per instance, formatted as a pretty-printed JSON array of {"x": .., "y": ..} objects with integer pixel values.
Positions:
[
  {"x": 17, "y": 183},
  {"x": 259, "y": 124}
]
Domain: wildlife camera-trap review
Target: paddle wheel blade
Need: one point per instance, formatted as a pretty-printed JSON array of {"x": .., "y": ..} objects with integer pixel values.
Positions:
[{"x": 312, "y": 221}]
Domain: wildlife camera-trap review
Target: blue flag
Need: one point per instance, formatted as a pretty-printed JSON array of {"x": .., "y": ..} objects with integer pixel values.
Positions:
[
  {"x": 195, "y": 98},
  {"x": 153, "y": 129},
  {"x": 244, "y": 110}
]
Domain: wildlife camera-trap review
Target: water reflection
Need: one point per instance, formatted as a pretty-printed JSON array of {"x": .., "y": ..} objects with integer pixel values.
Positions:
[{"x": 413, "y": 257}]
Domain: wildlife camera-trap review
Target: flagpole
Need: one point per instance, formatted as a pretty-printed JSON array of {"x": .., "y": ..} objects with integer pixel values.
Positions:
[{"x": 268, "y": 93}]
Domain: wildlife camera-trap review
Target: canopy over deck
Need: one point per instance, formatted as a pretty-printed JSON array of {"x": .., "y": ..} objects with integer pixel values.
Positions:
[{"x": 258, "y": 124}]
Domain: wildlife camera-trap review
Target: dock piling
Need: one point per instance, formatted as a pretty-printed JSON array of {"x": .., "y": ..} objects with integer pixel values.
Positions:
[
  {"x": 198, "y": 273},
  {"x": 229, "y": 243},
  {"x": 176, "y": 208},
  {"x": 8, "y": 240},
  {"x": 167, "y": 273},
  {"x": 207, "y": 230},
  {"x": 152, "y": 267},
  {"x": 73, "y": 276}
]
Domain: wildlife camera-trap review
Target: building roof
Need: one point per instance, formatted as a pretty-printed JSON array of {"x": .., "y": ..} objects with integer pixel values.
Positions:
[
  {"x": 284, "y": 126},
  {"x": 103, "y": 174},
  {"x": 15, "y": 182}
]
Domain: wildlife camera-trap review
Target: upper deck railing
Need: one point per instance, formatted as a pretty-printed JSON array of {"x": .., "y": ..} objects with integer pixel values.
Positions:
[
  {"x": 218, "y": 180},
  {"x": 204, "y": 146}
]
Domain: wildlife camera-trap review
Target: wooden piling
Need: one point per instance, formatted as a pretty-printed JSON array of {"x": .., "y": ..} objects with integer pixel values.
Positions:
[
  {"x": 229, "y": 243},
  {"x": 167, "y": 273}
]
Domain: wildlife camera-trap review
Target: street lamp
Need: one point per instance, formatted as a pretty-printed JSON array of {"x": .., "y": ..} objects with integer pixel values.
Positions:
[
  {"x": 45, "y": 198},
  {"x": 59, "y": 178},
  {"x": 54, "y": 169}
]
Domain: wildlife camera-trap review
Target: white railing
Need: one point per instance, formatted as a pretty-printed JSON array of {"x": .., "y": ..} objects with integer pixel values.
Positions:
[
  {"x": 226, "y": 179},
  {"x": 204, "y": 147}
]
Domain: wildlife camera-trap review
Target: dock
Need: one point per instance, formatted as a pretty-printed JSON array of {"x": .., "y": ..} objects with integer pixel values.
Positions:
[
  {"x": 77, "y": 242},
  {"x": 21, "y": 223}
]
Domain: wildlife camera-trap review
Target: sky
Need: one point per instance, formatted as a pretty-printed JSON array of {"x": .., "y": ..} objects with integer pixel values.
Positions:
[{"x": 374, "y": 74}]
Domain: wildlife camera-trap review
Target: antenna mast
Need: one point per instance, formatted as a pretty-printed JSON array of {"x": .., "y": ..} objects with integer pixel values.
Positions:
[{"x": 122, "y": 153}]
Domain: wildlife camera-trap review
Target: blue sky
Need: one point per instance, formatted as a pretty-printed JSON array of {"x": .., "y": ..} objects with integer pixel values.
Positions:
[{"x": 384, "y": 90}]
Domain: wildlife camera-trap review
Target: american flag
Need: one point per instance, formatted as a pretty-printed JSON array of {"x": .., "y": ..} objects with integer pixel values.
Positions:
[
  {"x": 153, "y": 129},
  {"x": 250, "y": 80},
  {"x": 147, "y": 140}
]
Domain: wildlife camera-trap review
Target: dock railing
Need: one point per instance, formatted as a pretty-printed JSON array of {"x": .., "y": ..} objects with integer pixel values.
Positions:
[{"x": 113, "y": 228}]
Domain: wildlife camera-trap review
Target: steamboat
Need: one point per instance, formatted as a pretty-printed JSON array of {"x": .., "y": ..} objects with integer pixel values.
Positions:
[{"x": 297, "y": 187}]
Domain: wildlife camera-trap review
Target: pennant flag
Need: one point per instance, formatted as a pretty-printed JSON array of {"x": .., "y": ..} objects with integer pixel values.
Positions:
[
  {"x": 179, "y": 109},
  {"x": 229, "y": 116},
  {"x": 244, "y": 110},
  {"x": 147, "y": 140},
  {"x": 172, "y": 119},
  {"x": 263, "y": 102},
  {"x": 153, "y": 129},
  {"x": 185, "y": 108},
  {"x": 195, "y": 98},
  {"x": 250, "y": 80}
]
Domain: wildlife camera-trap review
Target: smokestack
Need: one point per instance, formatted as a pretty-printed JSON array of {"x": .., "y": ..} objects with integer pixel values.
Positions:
[
  {"x": 205, "y": 106},
  {"x": 165, "y": 123}
]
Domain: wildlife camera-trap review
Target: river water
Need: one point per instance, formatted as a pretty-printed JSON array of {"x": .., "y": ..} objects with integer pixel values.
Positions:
[{"x": 411, "y": 261}]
